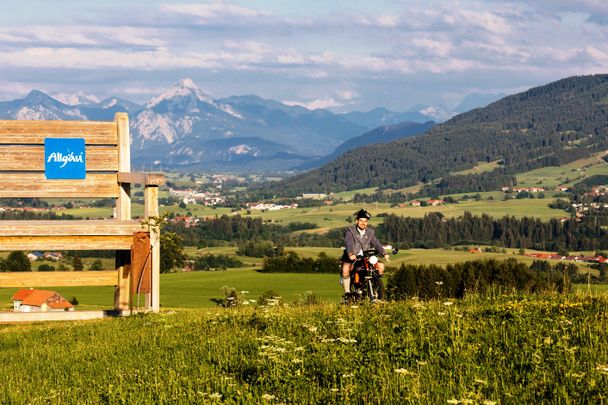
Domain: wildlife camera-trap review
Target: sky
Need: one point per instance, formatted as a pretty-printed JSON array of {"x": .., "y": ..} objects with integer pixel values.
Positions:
[{"x": 344, "y": 55}]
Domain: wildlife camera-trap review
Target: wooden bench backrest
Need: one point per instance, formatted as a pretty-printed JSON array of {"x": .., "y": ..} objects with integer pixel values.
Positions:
[{"x": 22, "y": 158}]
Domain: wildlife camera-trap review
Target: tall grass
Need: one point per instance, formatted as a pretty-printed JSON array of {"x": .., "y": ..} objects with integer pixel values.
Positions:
[{"x": 513, "y": 349}]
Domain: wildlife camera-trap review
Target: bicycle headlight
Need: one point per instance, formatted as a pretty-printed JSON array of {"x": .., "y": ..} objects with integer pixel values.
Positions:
[{"x": 373, "y": 260}]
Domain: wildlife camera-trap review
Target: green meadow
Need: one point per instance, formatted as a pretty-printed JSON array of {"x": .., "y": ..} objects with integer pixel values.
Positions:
[
  {"x": 493, "y": 350},
  {"x": 200, "y": 289}
]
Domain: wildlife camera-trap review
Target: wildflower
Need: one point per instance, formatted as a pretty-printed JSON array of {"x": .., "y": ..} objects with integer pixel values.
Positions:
[
  {"x": 312, "y": 329},
  {"x": 602, "y": 367},
  {"x": 354, "y": 306},
  {"x": 488, "y": 402},
  {"x": 439, "y": 282},
  {"x": 577, "y": 375},
  {"x": 347, "y": 375},
  {"x": 215, "y": 395},
  {"x": 548, "y": 341},
  {"x": 441, "y": 313},
  {"x": 334, "y": 389},
  {"x": 401, "y": 371},
  {"x": 268, "y": 397},
  {"x": 346, "y": 340},
  {"x": 244, "y": 292},
  {"x": 448, "y": 303}
]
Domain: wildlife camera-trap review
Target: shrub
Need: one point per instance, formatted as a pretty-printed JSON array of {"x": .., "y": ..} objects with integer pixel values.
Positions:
[
  {"x": 309, "y": 298},
  {"x": 97, "y": 265},
  {"x": 231, "y": 298},
  {"x": 270, "y": 298},
  {"x": 46, "y": 267}
]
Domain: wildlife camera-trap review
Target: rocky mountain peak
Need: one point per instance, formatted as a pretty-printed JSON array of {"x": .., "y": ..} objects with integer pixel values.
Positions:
[
  {"x": 185, "y": 88},
  {"x": 76, "y": 98}
]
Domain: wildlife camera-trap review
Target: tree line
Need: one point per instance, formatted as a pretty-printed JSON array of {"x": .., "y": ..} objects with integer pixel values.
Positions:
[
  {"x": 479, "y": 277},
  {"x": 237, "y": 229},
  {"x": 435, "y": 230}
]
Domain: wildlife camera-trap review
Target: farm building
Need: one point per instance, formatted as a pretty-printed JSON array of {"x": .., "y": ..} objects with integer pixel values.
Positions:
[{"x": 30, "y": 300}]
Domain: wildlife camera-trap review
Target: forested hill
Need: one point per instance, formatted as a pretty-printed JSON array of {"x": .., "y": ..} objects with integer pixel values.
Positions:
[{"x": 548, "y": 125}]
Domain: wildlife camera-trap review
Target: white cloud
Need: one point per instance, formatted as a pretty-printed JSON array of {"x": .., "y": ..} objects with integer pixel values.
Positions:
[
  {"x": 339, "y": 99},
  {"x": 79, "y": 35},
  {"x": 487, "y": 20},
  {"x": 434, "y": 47},
  {"x": 213, "y": 10}
]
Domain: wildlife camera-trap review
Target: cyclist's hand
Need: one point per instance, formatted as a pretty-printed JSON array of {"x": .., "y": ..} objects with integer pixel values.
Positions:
[{"x": 386, "y": 257}]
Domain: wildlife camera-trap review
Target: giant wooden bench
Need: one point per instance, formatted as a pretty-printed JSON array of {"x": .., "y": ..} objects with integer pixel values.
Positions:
[{"x": 108, "y": 174}]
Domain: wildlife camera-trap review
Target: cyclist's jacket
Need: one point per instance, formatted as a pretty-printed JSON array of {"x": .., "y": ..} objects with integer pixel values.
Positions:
[{"x": 355, "y": 243}]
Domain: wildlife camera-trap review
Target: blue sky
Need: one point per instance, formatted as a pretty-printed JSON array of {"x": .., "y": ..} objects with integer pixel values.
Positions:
[{"x": 341, "y": 55}]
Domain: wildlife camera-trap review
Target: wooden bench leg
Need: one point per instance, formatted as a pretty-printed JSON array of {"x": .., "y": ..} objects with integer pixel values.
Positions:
[{"x": 122, "y": 295}]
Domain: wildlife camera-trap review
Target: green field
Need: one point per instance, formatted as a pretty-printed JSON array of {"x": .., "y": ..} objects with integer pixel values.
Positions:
[
  {"x": 553, "y": 176},
  {"x": 510, "y": 349},
  {"x": 340, "y": 215},
  {"x": 479, "y": 168},
  {"x": 198, "y": 289}
]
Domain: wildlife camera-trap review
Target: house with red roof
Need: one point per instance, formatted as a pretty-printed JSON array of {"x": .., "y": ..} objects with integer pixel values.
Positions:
[{"x": 30, "y": 300}]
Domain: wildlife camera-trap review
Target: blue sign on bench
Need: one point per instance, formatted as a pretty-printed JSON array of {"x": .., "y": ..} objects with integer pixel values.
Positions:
[{"x": 64, "y": 158}]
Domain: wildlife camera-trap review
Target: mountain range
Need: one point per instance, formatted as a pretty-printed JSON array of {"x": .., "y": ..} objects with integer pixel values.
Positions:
[
  {"x": 185, "y": 129},
  {"x": 548, "y": 125}
]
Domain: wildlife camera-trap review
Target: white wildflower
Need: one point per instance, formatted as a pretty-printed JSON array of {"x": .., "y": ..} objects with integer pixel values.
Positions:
[
  {"x": 602, "y": 367},
  {"x": 215, "y": 395},
  {"x": 448, "y": 303},
  {"x": 268, "y": 397}
]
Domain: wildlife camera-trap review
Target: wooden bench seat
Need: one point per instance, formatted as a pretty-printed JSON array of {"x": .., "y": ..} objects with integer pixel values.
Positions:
[
  {"x": 108, "y": 175},
  {"x": 56, "y": 235}
]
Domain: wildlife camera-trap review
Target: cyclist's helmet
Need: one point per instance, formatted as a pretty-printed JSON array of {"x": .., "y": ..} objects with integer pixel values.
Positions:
[{"x": 362, "y": 214}]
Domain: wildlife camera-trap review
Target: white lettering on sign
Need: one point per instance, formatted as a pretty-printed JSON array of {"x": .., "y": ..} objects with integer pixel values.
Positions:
[{"x": 65, "y": 159}]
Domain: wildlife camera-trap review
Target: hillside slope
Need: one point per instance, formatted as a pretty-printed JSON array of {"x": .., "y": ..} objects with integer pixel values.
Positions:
[{"x": 548, "y": 125}]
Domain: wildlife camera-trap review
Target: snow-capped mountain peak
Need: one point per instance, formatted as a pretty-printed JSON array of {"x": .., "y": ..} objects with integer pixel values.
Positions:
[
  {"x": 185, "y": 88},
  {"x": 76, "y": 98},
  {"x": 109, "y": 103}
]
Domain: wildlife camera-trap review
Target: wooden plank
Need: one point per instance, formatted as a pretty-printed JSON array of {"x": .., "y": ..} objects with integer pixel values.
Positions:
[
  {"x": 69, "y": 228},
  {"x": 147, "y": 179},
  {"x": 28, "y": 279},
  {"x": 123, "y": 202},
  {"x": 31, "y": 158},
  {"x": 28, "y": 317},
  {"x": 110, "y": 242},
  {"x": 96, "y": 185},
  {"x": 151, "y": 211},
  {"x": 34, "y": 132}
]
